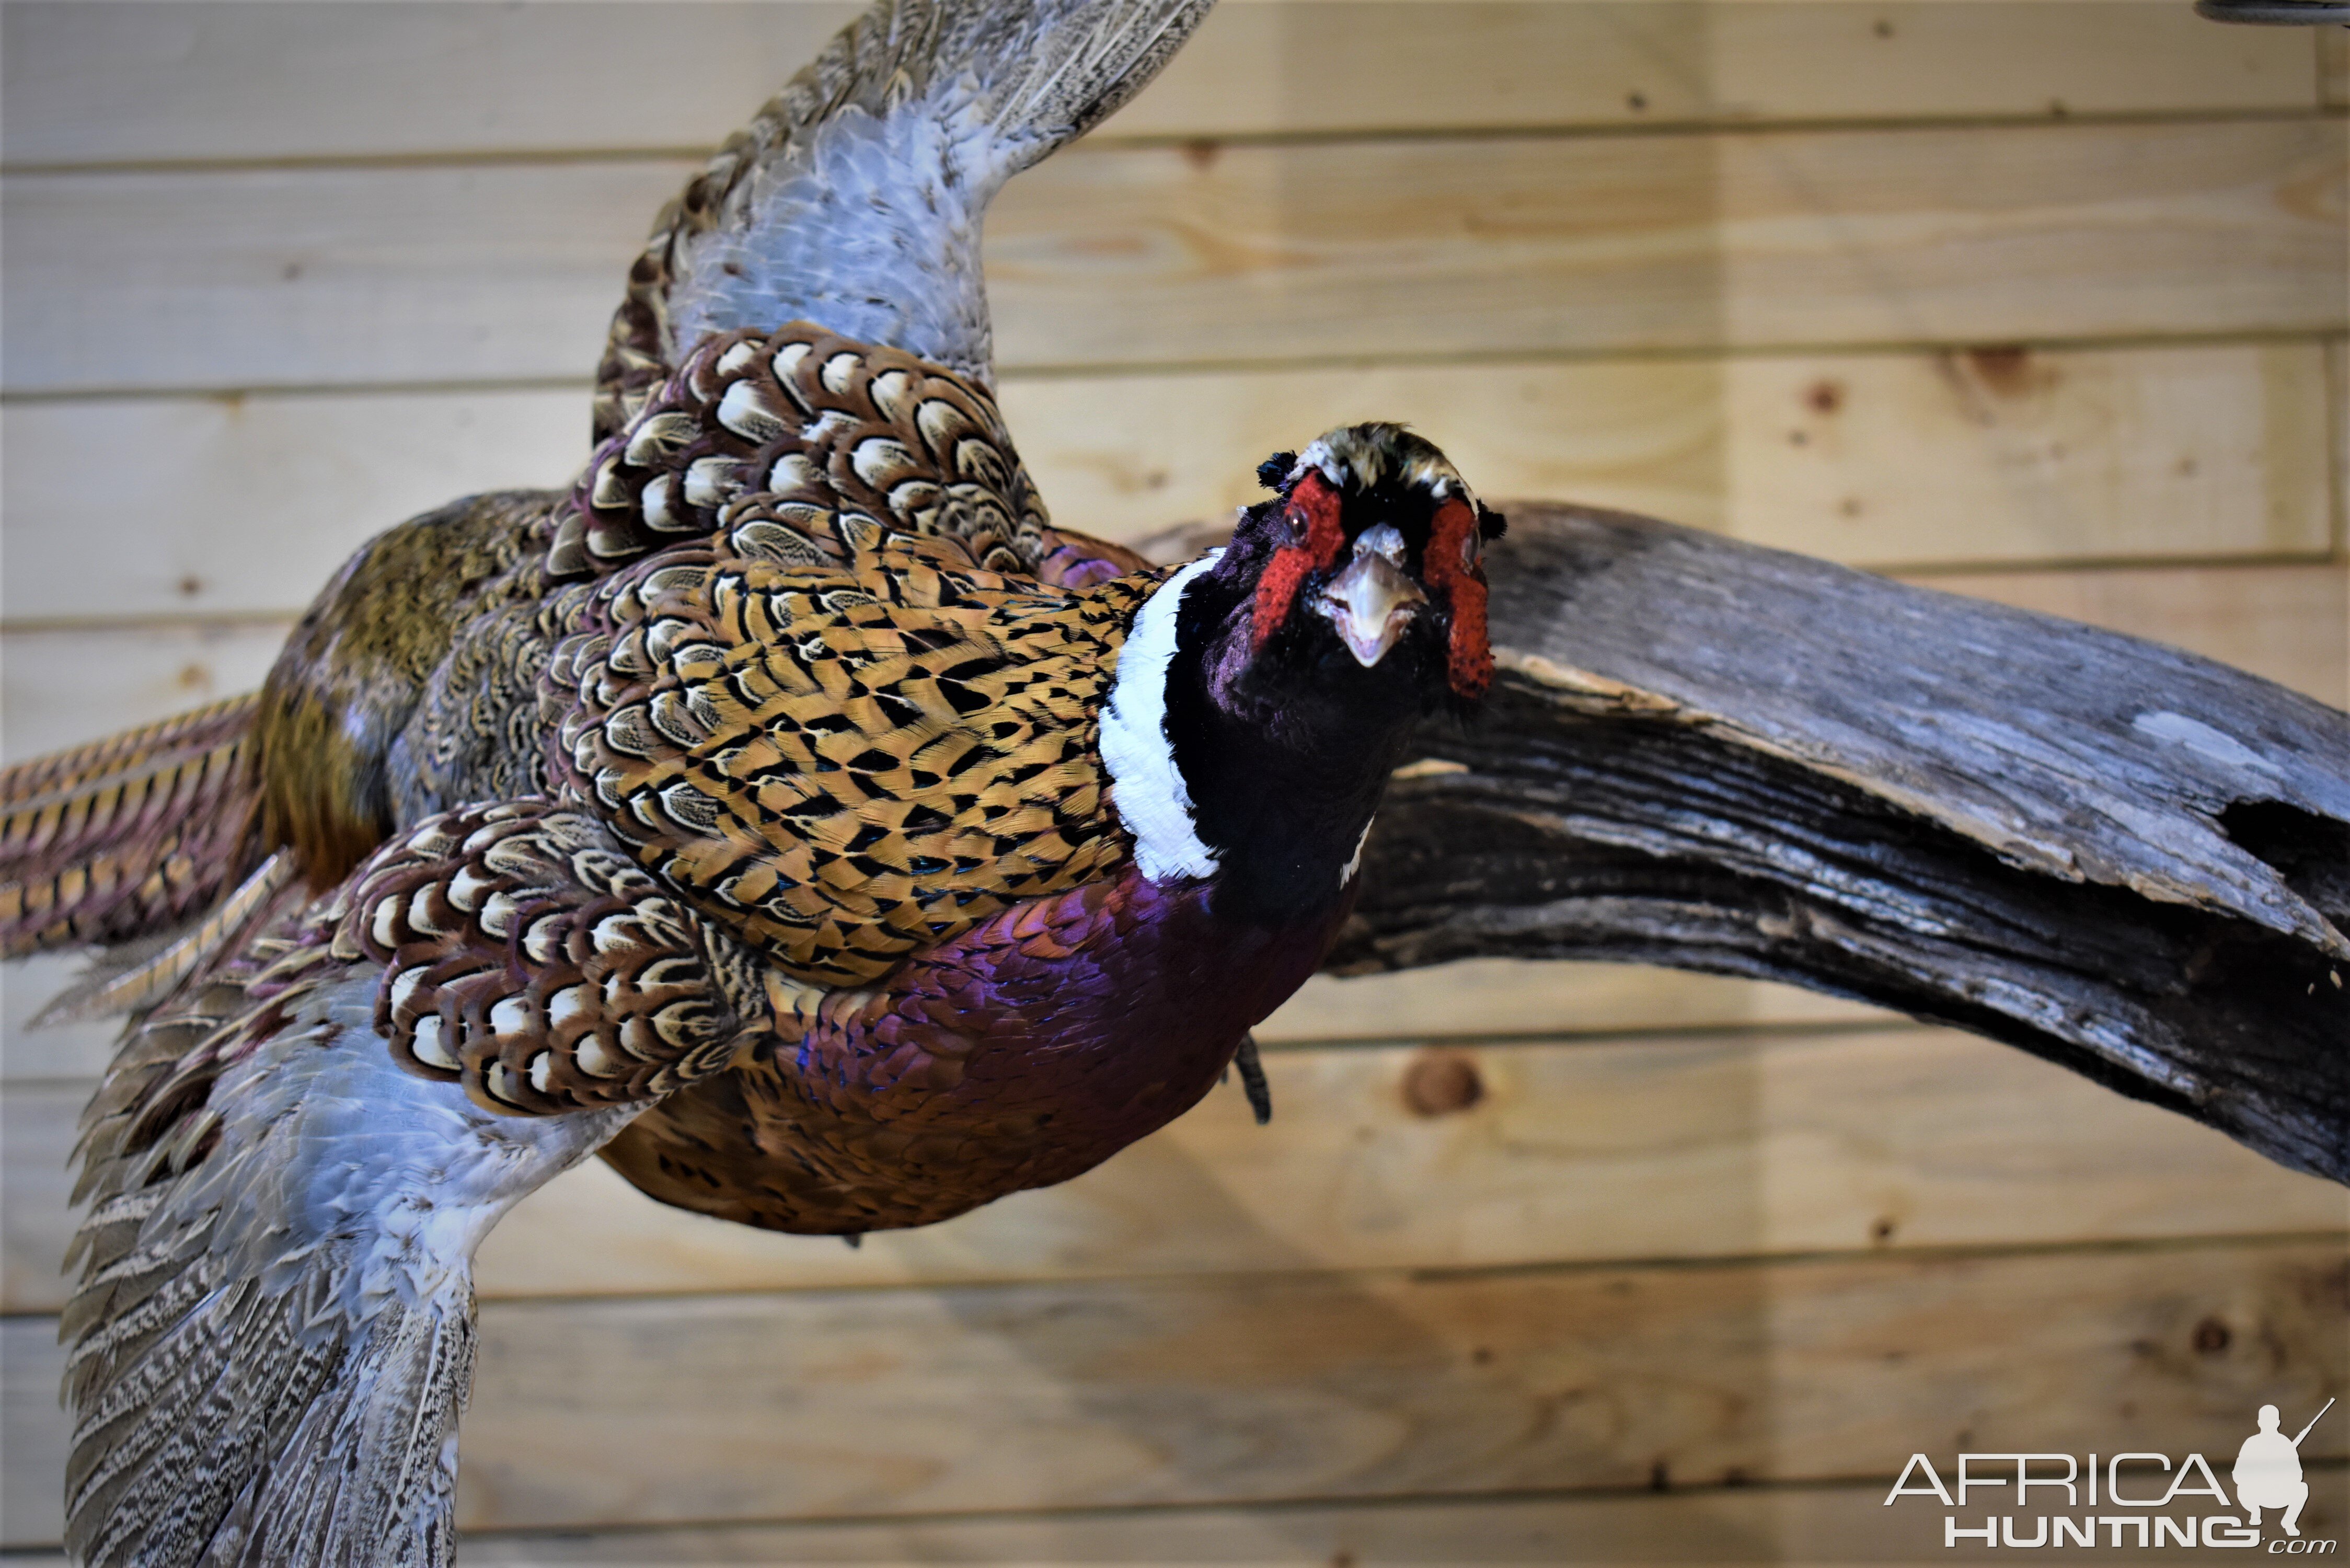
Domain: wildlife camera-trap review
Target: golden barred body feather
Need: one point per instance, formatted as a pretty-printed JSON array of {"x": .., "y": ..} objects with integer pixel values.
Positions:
[{"x": 845, "y": 762}]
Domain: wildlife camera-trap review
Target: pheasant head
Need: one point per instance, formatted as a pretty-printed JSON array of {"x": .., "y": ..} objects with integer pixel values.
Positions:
[
  {"x": 1375, "y": 546},
  {"x": 1297, "y": 662}
]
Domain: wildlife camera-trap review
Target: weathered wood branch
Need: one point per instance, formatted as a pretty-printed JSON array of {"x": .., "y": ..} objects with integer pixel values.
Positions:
[{"x": 2125, "y": 859}]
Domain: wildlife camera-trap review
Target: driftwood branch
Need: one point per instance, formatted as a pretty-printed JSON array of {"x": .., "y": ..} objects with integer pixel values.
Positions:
[{"x": 2126, "y": 859}]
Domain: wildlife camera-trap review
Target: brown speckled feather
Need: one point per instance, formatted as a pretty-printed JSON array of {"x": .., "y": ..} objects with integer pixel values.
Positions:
[
  {"x": 412, "y": 683},
  {"x": 526, "y": 957},
  {"x": 803, "y": 413},
  {"x": 361, "y": 664},
  {"x": 147, "y": 1121},
  {"x": 558, "y": 971}
]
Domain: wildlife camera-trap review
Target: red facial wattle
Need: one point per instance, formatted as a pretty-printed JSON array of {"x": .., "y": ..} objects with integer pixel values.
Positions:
[
  {"x": 1459, "y": 582},
  {"x": 1313, "y": 511}
]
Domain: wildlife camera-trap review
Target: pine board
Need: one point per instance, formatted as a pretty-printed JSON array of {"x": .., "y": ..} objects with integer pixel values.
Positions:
[
  {"x": 1847, "y": 1523},
  {"x": 247, "y": 506},
  {"x": 2026, "y": 456},
  {"x": 1877, "y": 459},
  {"x": 60, "y": 688},
  {"x": 2337, "y": 381},
  {"x": 1151, "y": 255},
  {"x": 820, "y": 1404},
  {"x": 1576, "y": 1153},
  {"x": 318, "y": 277},
  {"x": 1830, "y": 1523},
  {"x": 1515, "y": 246},
  {"x": 211, "y": 81},
  {"x": 145, "y": 82}
]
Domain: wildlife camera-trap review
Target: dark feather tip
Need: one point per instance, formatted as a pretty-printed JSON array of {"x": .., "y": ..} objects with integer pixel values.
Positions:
[
  {"x": 1274, "y": 471},
  {"x": 1490, "y": 524},
  {"x": 1260, "y": 1092}
]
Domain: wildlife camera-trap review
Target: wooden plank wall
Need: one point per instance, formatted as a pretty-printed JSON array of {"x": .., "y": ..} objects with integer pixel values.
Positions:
[{"x": 2043, "y": 300}]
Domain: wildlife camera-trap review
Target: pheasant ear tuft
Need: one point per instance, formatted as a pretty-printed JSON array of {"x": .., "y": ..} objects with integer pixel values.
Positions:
[
  {"x": 1491, "y": 524},
  {"x": 1273, "y": 471}
]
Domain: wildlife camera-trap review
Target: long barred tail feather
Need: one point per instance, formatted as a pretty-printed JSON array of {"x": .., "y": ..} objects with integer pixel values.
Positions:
[
  {"x": 132, "y": 977},
  {"x": 129, "y": 836}
]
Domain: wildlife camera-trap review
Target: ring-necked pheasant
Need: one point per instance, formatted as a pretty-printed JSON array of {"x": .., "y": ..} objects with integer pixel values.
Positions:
[{"x": 789, "y": 812}]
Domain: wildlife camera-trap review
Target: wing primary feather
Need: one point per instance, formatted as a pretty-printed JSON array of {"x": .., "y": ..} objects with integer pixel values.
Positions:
[
  {"x": 856, "y": 196},
  {"x": 271, "y": 1341}
]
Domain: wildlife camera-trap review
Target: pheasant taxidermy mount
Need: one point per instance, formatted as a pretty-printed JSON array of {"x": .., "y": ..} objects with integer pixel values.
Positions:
[
  {"x": 789, "y": 812},
  {"x": 670, "y": 818}
]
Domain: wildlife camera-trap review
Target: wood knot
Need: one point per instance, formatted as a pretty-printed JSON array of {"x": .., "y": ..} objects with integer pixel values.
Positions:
[
  {"x": 1439, "y": 1083},
  {"x": 2211, "y": 1338},
  {"x": 2004, "y": 368}
]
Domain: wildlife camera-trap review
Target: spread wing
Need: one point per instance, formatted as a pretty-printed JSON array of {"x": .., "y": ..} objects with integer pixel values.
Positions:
[
  {"x": 854, "y": 197},
  {"x": 291, "y": 1163}
]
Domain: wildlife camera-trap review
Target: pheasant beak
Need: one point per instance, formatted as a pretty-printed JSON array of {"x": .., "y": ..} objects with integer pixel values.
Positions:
[{"x": 1371, "y": 602}]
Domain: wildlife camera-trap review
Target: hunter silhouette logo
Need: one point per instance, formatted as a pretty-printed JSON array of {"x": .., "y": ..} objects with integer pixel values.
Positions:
[
  {"x": 2147, "y": 1494},
  {"x": 2268, "y": 1471}
]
